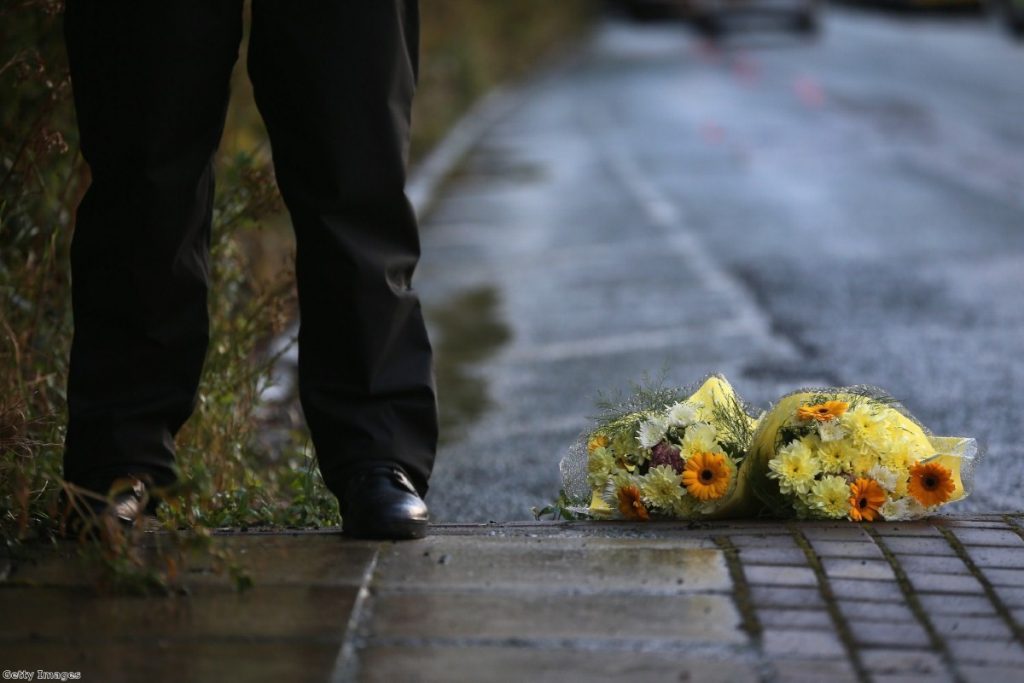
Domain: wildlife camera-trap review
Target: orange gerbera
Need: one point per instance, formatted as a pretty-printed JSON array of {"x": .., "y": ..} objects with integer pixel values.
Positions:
[
  {"x": 706, "y": 476},
  {"x": 931, "y": 483},
  {"x": 599, "y": 441},
  {"x": 630, "y": 504},
  {"x": 866, "y": 499},
  {"x": 822, "y": 412}
]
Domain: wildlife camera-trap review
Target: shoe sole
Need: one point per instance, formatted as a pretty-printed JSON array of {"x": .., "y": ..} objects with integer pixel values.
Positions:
[{"x": 387, "y": 530}]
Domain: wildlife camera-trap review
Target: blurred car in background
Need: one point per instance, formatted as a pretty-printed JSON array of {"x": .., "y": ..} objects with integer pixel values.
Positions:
[
  {"x": 711, "y": 16},
  {"x": 939, "y": 5},
  {"x": 654, "y": 9},
  {"x": 1012, "y": 13}
]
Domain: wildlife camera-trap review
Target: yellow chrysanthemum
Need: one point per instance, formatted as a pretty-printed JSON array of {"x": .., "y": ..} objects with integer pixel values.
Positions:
[
  {"x": 706, "y": 476},
  {"x": 795, "y": 467},
  {"x": 831, "y": 456},
  {"x": 895, "y": 424},
  {"x": 699, "y": 438},
  {"x": 866, "y": 425},
  {"x": 600, "y": 465},
  {"x": 859, "y": 461},
  {"x": 866, "y": 500},
  {"x": 685, "y": 507},
  {"x": 897, "y": 457},
  {"x": 931, "y": 483},
  {"x": 625, "y": 465},
  {"x": 822, "y": 412},
  {"x": 881, "y": 443},
  {"x": 830, "y": 496},
  {"x": 625, "y": 446},
  {"x": 661, "y": 487},
  {"x": 802, "y": 509},
  {"x": 598, "y": 441}
]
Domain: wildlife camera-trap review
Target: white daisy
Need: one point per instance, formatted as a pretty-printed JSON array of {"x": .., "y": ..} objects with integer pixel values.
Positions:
[
  {"x": 896, "y": 510},
  {"x": 682, "y": 415},
  {"x": 831, "y": 430},
  {"x": 885, "y": 477},
  {"x": 651, "y": 432}
]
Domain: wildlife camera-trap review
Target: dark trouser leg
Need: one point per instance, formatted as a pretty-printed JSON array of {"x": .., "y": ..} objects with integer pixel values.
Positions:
[
  {"x": 334, "y": 82},
  {"x": 150, "y": 83}
]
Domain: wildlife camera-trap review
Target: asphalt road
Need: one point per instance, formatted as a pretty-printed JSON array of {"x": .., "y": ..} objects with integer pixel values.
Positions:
[{"x": 788, "y": 212}]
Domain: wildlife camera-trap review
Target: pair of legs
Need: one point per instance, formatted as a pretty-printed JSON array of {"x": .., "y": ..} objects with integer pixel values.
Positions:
[{"x": 334, "y": 82}]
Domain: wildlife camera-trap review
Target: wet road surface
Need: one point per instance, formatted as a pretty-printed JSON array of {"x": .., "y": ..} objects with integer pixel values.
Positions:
[{"x": 785, "y": 211}]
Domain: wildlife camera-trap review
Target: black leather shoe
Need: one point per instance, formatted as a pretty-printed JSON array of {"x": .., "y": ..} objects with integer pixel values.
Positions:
[
  {"x": 127, "y": 502},
  {"x": 380, "y": 502}
]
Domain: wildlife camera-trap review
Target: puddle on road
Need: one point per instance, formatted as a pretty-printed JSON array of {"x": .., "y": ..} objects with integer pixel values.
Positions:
[{"x": 469, "y": 331}]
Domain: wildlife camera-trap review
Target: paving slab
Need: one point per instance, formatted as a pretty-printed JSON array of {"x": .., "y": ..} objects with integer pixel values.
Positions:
[
  {"x": 990, "y": 673},
  {"x": 952, "y": 626},
  {"x": 877, "y": 633},
  {"x": 804, "y": 644},
  {"x": 773, "y": 575},
  {"x": 861, "y": 548},
  {"x": 997, "y": 537},
  {"x": 500, "y": 665},
  {"x": 178, "y": 661},
  {"x": 295, "y": 612},
  {"x": 798, "y": 671},
  {"x": 894, "y": 661},
  {"x": 785, "y": 597},
  {"x": 644, "y": 620},
  {"x": 270, "y": 558},
  {"x": 785, "y": 556},
  {"x": 1010, "y": 596},
  {"x": 932, "y": 564},
  {"x": 893, "y": 612},
  {"x": 794, "y": 618},
  {"x": 846, "y": 568},
  {"x": 553, "y": 565}
]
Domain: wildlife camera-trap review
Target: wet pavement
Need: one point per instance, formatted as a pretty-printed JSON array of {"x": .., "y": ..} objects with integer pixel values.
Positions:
[
  {"x": 939, "y": 600},
  {"x": 786, "y": 211}
]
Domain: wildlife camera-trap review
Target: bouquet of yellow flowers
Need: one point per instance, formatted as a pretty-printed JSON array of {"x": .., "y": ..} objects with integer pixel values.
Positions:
[
  {"x": 671, "y": 454},
  {"x": 848, "y": 453},
  {"x": 854, "y": 453}
]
